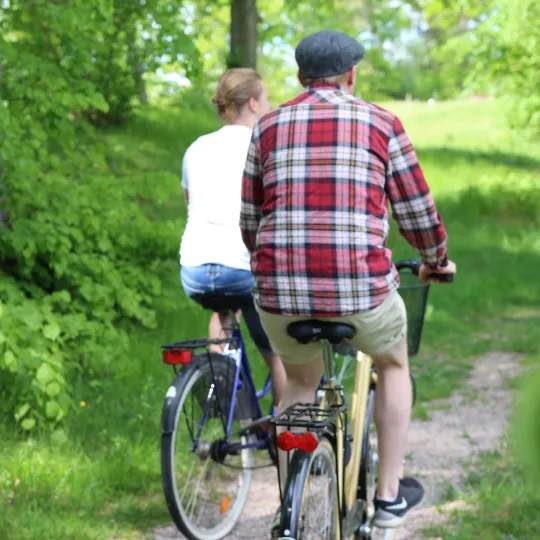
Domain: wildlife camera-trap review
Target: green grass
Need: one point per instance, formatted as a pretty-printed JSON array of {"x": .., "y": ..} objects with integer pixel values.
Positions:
[
  {"x": 502, "y": 503},
  {"x": 105, "y": 481}
]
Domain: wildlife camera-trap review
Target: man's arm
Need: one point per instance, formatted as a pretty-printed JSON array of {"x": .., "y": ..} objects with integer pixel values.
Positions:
[
  {"x": 252, "y": 193},
  {"x": 412, "y": 204}
]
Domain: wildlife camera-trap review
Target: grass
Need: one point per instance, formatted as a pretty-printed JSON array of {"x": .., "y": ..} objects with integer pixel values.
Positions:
[
  {"x": 503, "y": 503},
  {"x": 104, "y": 482}
]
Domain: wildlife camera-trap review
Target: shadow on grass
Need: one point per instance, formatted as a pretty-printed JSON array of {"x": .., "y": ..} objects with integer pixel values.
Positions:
[
  {"x": 493, "y": 238},
  {"x": 446, "y": 155},
  {"x": 156, "y": 139}
]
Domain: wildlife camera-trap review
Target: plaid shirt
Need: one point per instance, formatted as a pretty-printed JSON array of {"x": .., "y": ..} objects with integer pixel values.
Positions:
[{"x": 318, "y": 177}]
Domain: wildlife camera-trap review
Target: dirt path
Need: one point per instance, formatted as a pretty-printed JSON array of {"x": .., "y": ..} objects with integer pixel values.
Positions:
[{"x": 469, "y": 422}]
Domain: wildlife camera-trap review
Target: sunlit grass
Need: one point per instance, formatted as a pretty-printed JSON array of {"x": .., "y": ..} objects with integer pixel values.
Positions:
[{"x": 105, "y": 482}]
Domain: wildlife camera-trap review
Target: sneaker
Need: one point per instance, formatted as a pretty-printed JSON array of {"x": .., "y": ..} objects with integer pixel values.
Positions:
[
  {"x": 276, "y": 524},
  {"x": 390, "y": 514}
]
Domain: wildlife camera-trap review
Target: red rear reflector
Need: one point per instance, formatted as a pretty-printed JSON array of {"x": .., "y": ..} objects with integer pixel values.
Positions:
[
  {"x": 307, "y": 442},
  {"x": 176, "y": 356}
]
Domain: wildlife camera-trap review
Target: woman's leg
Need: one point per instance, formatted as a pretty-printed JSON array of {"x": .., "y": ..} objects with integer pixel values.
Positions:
[
  {"x": 218, "y": 329},
  {"x": 200, "y": 280},
  {"x": 273, "y": 361},
  {"x": 240, "y": 283}
]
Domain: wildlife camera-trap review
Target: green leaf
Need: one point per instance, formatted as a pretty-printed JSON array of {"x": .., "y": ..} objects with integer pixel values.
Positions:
[
  {"x": 59, "y": 437},
  {"x": 28, "y": 424},
  {"x": 45, "y": 374},
  {"x": 21, "y": 411},
  {"x": 52, "y": 409},
  {"x": 51, "y": 331},
  {"x": 10, "y": 360},
  {"x": 53, "y": 389},
  {"x": 98, "y": 101}
]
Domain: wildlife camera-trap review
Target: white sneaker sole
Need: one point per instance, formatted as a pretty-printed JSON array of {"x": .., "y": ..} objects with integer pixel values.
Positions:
[{"x": 387, "y": 520}]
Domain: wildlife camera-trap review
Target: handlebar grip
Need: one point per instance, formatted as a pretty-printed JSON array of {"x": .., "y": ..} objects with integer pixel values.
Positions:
[
  {"x": 447, "y": 278},
  {"x": 412, "y": 264}
]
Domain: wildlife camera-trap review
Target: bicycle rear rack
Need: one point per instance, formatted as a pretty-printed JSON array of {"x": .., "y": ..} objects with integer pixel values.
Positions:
[
  {"x": 309, "y": 415},
  {"x": 195, "y": 344}
]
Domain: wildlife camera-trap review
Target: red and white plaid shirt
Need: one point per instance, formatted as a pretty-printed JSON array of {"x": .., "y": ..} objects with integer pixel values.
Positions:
[{"x": 318, "y": 176}]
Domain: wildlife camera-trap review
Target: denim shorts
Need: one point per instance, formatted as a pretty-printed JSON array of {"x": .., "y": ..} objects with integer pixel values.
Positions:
[{"x": 214, "y": 279}]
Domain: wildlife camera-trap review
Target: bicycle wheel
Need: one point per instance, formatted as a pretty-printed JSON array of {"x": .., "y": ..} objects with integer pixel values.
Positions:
[
  {"x": 311, "y": 498},
  {"x": 205, "y": 488},
  {"x": 367, "y": 481}
]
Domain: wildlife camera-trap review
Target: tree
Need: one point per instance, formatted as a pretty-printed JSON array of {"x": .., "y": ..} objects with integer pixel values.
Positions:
[
  {"x": 500, "y": 53},
  {"x": 244, "y": 34}
]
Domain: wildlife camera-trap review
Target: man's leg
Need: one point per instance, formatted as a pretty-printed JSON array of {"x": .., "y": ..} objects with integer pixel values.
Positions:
[
  {"x": 382, "y": 333},
  {"x": 393, "y": 402}
]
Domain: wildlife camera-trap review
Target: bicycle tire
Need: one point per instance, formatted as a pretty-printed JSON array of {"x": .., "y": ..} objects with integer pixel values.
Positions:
[
  {"x": 366, "y": 466},
  {"x": 183, "y": 384},
  {"x": 300, "y": 471}
]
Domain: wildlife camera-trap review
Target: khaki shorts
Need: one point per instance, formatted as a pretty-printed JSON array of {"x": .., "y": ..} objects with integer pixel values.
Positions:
[{"x": 377, "y": 330}]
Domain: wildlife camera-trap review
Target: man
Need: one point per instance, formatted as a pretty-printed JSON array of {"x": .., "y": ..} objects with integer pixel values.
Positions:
[{"x": 319, "y": 174}]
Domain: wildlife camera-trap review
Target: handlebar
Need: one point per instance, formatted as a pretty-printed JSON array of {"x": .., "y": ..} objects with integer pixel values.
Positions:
[{"x": 414, "y": 266}]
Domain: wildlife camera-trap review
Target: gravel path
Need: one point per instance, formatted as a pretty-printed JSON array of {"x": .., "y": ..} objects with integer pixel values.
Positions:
[{"x": 469, "y": 422}]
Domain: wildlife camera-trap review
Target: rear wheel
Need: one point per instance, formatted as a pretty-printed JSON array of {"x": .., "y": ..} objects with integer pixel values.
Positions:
[
  {"x": 311, "y": 498},
  {"x": 206, "y": 487}
]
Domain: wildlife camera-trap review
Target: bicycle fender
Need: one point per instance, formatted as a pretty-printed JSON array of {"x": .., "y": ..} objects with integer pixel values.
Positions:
[
  {"x": 171, "y": 402},
  {"x": 295, "y": 484}
]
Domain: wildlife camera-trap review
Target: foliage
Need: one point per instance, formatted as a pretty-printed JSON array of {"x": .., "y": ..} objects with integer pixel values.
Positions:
[
  {"x": 504, "y": 53},
  {"x": 105, "y": 479},
  {"x": 79, "y": 255},
  {"x": 142, "y": 37}
]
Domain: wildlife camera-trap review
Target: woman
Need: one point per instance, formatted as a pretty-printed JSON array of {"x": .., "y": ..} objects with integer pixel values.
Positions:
[{"x": 213, "y": 257}]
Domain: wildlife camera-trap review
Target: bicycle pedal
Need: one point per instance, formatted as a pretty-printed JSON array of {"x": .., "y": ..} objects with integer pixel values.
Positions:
[{"x": 261, "y": 425}]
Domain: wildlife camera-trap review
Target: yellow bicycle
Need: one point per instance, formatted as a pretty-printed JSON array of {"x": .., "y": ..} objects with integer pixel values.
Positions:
[{"x": 332, "y": 474}]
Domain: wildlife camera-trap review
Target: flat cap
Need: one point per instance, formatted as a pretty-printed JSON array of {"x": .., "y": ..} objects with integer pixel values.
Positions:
[{"x": 327, "y": 53}]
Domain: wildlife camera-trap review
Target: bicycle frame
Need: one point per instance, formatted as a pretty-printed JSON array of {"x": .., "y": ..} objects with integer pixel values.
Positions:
[
  {"x": 242, "y": 375},
  {"x": 242, "y": 365},
  {"x": 350, "y": 419}
]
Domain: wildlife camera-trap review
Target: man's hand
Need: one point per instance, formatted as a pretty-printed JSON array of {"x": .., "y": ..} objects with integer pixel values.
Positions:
[{"x": 425, "y": 272}]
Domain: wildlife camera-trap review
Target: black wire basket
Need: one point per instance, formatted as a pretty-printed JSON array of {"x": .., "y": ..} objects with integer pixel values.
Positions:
[{"x": 415, "y": 295}]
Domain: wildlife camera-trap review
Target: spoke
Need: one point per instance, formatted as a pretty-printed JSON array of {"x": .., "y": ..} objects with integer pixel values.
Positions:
[
  {"x": 344, "y": 367},
  {"x": 193, "y": 499},
  {"x": 187, "y": 482}
]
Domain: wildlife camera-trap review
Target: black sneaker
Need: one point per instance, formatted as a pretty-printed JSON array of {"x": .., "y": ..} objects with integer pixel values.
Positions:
[
  {"x": 390, "y": 514},
  {"x": 276, "y": 523}
]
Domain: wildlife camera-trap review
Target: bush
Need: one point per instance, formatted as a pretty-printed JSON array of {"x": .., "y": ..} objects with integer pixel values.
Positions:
[
  {"x": 80, "y": 258},
  {"x": 79, "y": 254}
]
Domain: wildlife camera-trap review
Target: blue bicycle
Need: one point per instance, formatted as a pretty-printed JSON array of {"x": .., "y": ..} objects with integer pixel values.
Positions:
[{"x": 212, "y": 426}]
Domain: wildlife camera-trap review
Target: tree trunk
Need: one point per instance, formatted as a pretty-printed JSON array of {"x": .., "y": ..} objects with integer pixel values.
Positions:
[
  {"x": 4, "y": 214},
  {"x": 244, "y": 19},
  {"x": 136, "y": 64}
]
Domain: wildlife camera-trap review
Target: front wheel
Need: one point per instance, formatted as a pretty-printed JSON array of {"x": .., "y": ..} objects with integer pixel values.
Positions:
[
  {"x": 367, "y": 481},
  {"x": 310, "y": 508},
  {"x": 205, "y": 486}
]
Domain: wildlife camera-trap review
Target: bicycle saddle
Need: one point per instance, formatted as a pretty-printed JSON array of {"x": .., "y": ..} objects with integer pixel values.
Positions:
[
  {"x": 307, "y": 331},
  {"x": 221, "y": 303}
]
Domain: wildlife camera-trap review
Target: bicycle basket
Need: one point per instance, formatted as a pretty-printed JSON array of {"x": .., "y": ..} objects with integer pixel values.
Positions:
[{"x": 414, "y": 294}]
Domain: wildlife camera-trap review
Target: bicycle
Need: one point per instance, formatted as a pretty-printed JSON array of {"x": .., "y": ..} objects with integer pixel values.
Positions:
[
  {"x": 326, "y": 447},
  {"x": 229, "y": 431}
]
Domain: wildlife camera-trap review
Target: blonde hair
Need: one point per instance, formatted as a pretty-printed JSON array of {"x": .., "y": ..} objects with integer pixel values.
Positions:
[{"x": 235, "y": 88}]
